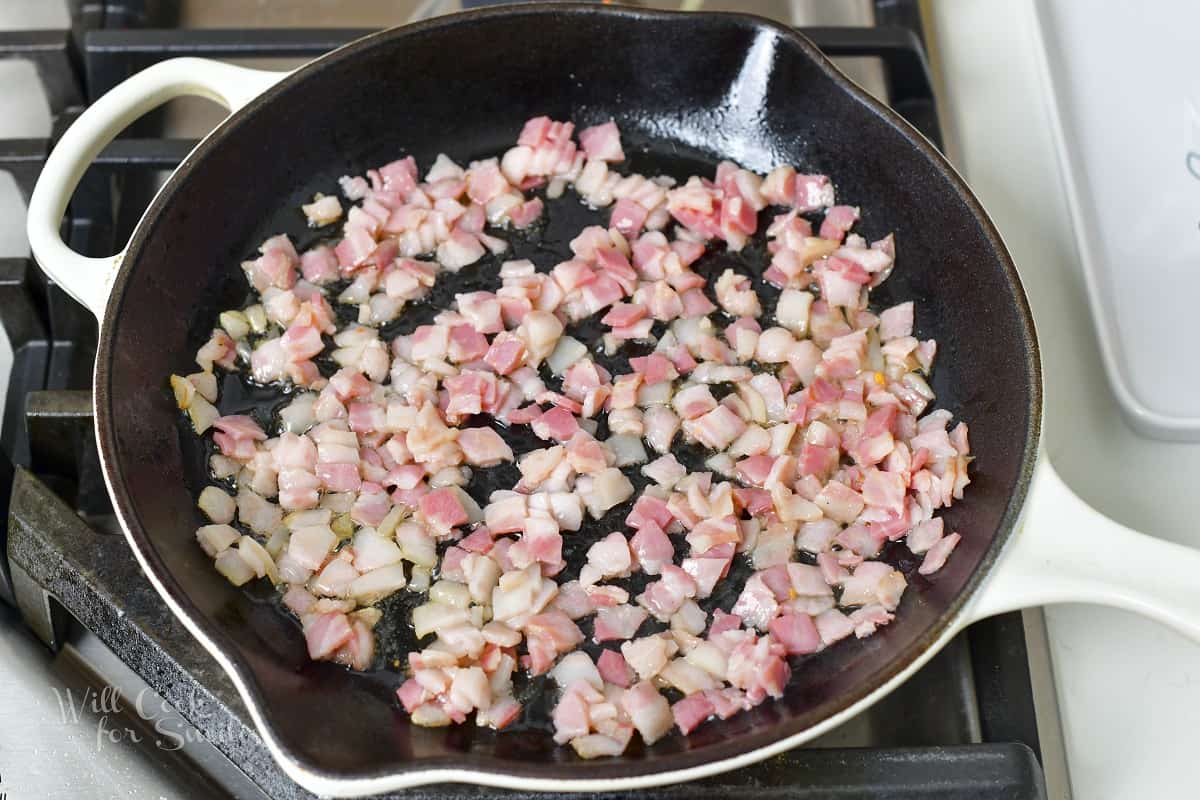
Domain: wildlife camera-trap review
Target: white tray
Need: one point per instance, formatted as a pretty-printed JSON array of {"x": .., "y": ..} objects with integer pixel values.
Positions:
[{"x": 1124, "y": 83}]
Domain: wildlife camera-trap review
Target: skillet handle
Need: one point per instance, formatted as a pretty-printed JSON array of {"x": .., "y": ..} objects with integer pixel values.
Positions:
[
  {"x": 89, "y": 280},
  {"x": 1065, "y": 551}
]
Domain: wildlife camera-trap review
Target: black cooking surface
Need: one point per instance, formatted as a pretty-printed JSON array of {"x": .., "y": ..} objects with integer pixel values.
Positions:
[{"x": 962, "y": 727}]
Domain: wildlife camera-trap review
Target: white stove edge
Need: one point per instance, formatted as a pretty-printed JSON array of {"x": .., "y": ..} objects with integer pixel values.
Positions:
[{"x": 1118, "y": 679}]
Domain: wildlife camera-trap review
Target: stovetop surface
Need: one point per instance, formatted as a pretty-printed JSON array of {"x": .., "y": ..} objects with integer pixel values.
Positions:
[{"x": 964, "y": 726}]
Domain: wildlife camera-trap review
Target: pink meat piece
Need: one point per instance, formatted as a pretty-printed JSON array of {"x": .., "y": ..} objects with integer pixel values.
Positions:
[
  {"x": 896, "y": 322},
  {"x": 561, "y": 401},
  {"x": 757, "y": 604},
  {"x": 573, "y": 274},
  {"x": 623, "y": 314},
  {"x": 838, "y": 220},
  {"x": 406, "y": 476},
  {"x": 839, "y": 501},
  {"x": 400, "y": 176},
  {"x": 718, "y": 428},
  {"x": 691, "y": 711},
  {"x": 294, "y": 451},
  {"x": 533, "y": 134},
  {"x": 547, "y": 635},
  {"x": 615, "y": 669},
  {"x": 873, "y": 582},
  {"x": 482, "y": 310},
  {"x": 936, "y": 557},
  {"x": 651, "y": 548},
  {"x": 297, "y": 489},
  {"x": 485, "y": 181},
  {"x": 614, "y": 263},
  {"x": 357, "y": 246},
  {"x": 601, "y": 293},
  {"x": 654, "y": 368},
  {"x": 506, "y": 353},
  {"x": 694, "y": 401},
  {"x": 451, "y": 567},
  {"x": 366, "y": 417},
  {"x": 583, "y": 376},
  {"x": 712, "y": 532},
  {"x": 239, "y": 427},
  {"x": 557, "y": 424},
  {"x": 628, "y": 217},
  {"x": 349, "y": 383},
  {"x": 890, "y": 529},
  {"x": 665, "y": 596},
  {"x": 506, "y": 515},
  {"x": 319, "y": 265},
  {"x": 779, "y": 580},
  {"x": 503, "y": 712},
  {"x": 728, "y": 701},
  {"x": 925, "y": 535},
  {"x": 541, "y": 543},
  {"x": 649, "y": 509},
  {"x": 274, "y": 268},
  {"x": 624, "y": 391},
  {"x": 238, "y": 449},
  {"x": 695, "y": 304},
  {"x": 832, "y": 571},
  {"x": 707, "y": 572},
  {"x": 411, "y": 497},
  {"x": 602, "y": 142},
  {"x": 861, "y": 539},
  {"x": 755, "y": 469},
  {"x": 470, "y": 392},
  {"x": 722, "y": 622},
  {"x": 881, "y": 420},
  {"x": 326, "y": 633},
  {"x": 639, "y": 330},
  {"x": 758, "y": 668},
  {"x": 443, "y": 510},
  {"x": 301, "y": 342},
  {"x": 833, "y": 626},
  {"x": 884, "y": 490},
  {"x": 478, "y": 541},
  {"x": 618, "y": 623},
  {"x": 812, "y": 193},
  {"x": 573, "y": 600},
  {"x": 371, "y": 506},
  {"x": 359, "y": 651},
  {"x": 816, "y": 460},
  {"x": 796, "y": 632},
  {"x": 585, "y": 454},
  {"x": 570, "y": 716},
  {"x": 527, "y": 213},
  {"x": 412, "y": 694},
  {"x": 483, "y": 447},
  {"x": 757, "y": 502},
  {"x": 339, "y": 477},
  {"x": 466, "y": 344}
]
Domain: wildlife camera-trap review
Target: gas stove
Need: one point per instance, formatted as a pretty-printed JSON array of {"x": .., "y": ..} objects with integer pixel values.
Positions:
[{"x": 123, "y": 671}]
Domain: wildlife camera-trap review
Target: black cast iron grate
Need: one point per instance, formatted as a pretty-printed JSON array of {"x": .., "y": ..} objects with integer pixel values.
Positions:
[{"x": 962, "y": 727}]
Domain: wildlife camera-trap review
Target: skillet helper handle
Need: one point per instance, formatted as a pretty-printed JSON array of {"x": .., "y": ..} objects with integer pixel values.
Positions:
[
  {"x": 1065, "y": 551},
  {"x": 89, "y": 280}
]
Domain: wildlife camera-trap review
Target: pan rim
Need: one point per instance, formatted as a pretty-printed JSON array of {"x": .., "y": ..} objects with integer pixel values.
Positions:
[{"x": 495, "y": 772}]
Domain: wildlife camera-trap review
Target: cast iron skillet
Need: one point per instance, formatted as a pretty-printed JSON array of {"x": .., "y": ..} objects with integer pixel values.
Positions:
[{"x": 684, "y": 89}]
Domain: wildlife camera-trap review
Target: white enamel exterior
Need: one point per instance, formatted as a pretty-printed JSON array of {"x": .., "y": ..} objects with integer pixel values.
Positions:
[
  {"x": 89, "y": 280},
  {"x": 1062, "y": 550}
]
